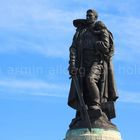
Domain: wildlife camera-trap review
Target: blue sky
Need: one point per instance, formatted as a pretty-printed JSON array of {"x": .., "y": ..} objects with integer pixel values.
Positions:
[{"x": 35, "y": 36}]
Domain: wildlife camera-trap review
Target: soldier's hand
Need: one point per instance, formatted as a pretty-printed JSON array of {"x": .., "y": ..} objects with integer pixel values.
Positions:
[{"x": 72, "y": 71}]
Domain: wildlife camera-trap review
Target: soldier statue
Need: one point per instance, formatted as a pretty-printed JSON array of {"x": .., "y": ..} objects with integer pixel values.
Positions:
[{"x": 90, "y": 62}]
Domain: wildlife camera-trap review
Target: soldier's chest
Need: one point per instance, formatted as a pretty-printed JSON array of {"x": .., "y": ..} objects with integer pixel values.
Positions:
[{"x": 87, "y": 39}]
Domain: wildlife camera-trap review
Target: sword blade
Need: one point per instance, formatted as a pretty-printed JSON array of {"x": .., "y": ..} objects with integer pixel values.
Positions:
[{"x": 83, "y": 106}]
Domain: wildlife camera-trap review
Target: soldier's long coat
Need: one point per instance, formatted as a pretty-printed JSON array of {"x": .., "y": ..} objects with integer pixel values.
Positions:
[{"x": 109, "y": 89}]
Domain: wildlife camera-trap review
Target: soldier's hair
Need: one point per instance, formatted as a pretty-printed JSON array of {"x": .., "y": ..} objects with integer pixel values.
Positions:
[{"x": 93, "y": 11}]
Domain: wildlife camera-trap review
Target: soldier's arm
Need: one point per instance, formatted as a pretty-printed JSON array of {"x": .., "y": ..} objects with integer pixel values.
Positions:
[
  {"x": 111, "y": 48},
  {"x": 73, "y": 56},
  {"x": 72, "y": 61},
  {"x": 103, "y": 44}
]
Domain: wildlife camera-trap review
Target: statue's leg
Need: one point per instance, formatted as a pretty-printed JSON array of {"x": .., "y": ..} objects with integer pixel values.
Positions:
[{"x": 92, "y": 80}]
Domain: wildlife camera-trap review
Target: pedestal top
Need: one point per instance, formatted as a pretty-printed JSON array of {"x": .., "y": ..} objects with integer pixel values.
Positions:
[{"x": 95, "y": 134}]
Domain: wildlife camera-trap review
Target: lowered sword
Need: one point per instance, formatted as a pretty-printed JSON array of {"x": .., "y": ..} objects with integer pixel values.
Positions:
[{"x": 83, "y": 106}]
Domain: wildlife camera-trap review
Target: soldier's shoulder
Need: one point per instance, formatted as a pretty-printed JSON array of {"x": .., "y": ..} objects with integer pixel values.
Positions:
[{"x": 80, "y": 23}]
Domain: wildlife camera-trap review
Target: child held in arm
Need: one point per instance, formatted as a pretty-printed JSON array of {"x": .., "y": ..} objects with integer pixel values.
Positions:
[{"x": 103, "y": 43}]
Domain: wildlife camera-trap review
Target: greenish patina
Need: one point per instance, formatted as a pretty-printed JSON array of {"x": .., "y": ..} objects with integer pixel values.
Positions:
[
  {"x": 95, "y": 134},
  {"x": 97, "y": 131}
]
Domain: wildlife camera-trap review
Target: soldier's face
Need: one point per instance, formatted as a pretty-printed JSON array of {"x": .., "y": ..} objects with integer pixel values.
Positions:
[{"x": 90, "y": 17}]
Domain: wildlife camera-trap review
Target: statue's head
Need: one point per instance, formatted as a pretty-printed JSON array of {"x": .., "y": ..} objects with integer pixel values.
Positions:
[
  {"x": 91, "y": 15},
  {"x": 100, "y": 25}
]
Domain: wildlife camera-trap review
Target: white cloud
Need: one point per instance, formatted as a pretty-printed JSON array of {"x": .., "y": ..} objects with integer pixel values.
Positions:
[
  {"x": 39, "y": 21},
  {"x": 28, "y": 84},
  {"x": 126, "y": 31},
  {"x": 34, "y": 88},
  {"x": 41, "y": 88},
  {"x": 35, "y": 28},
  {"x": 22, "y": 14},
  {"x": 129, "y": 97},
  {"x": 61, "y": 95}
]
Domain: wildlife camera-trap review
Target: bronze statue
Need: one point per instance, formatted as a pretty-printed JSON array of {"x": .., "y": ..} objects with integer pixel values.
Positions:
[{"x": 92, "y": 74}]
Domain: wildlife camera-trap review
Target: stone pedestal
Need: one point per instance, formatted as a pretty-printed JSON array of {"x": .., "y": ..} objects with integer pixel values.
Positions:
[{"x": 95, "y": 134}]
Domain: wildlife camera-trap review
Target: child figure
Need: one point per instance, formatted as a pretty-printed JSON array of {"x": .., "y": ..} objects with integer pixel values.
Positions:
[{"x": 103, "y": 43}]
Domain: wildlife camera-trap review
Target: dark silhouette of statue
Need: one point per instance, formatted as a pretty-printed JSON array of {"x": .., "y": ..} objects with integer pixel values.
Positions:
[{"x": 90, "y": 61}]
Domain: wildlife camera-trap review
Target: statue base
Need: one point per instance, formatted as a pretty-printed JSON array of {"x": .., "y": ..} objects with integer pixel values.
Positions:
[{"x": 95, "y": 134}]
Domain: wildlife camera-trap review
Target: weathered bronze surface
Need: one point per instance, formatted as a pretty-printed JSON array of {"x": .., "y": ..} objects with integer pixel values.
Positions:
[{"x": 90, "y": 61}]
